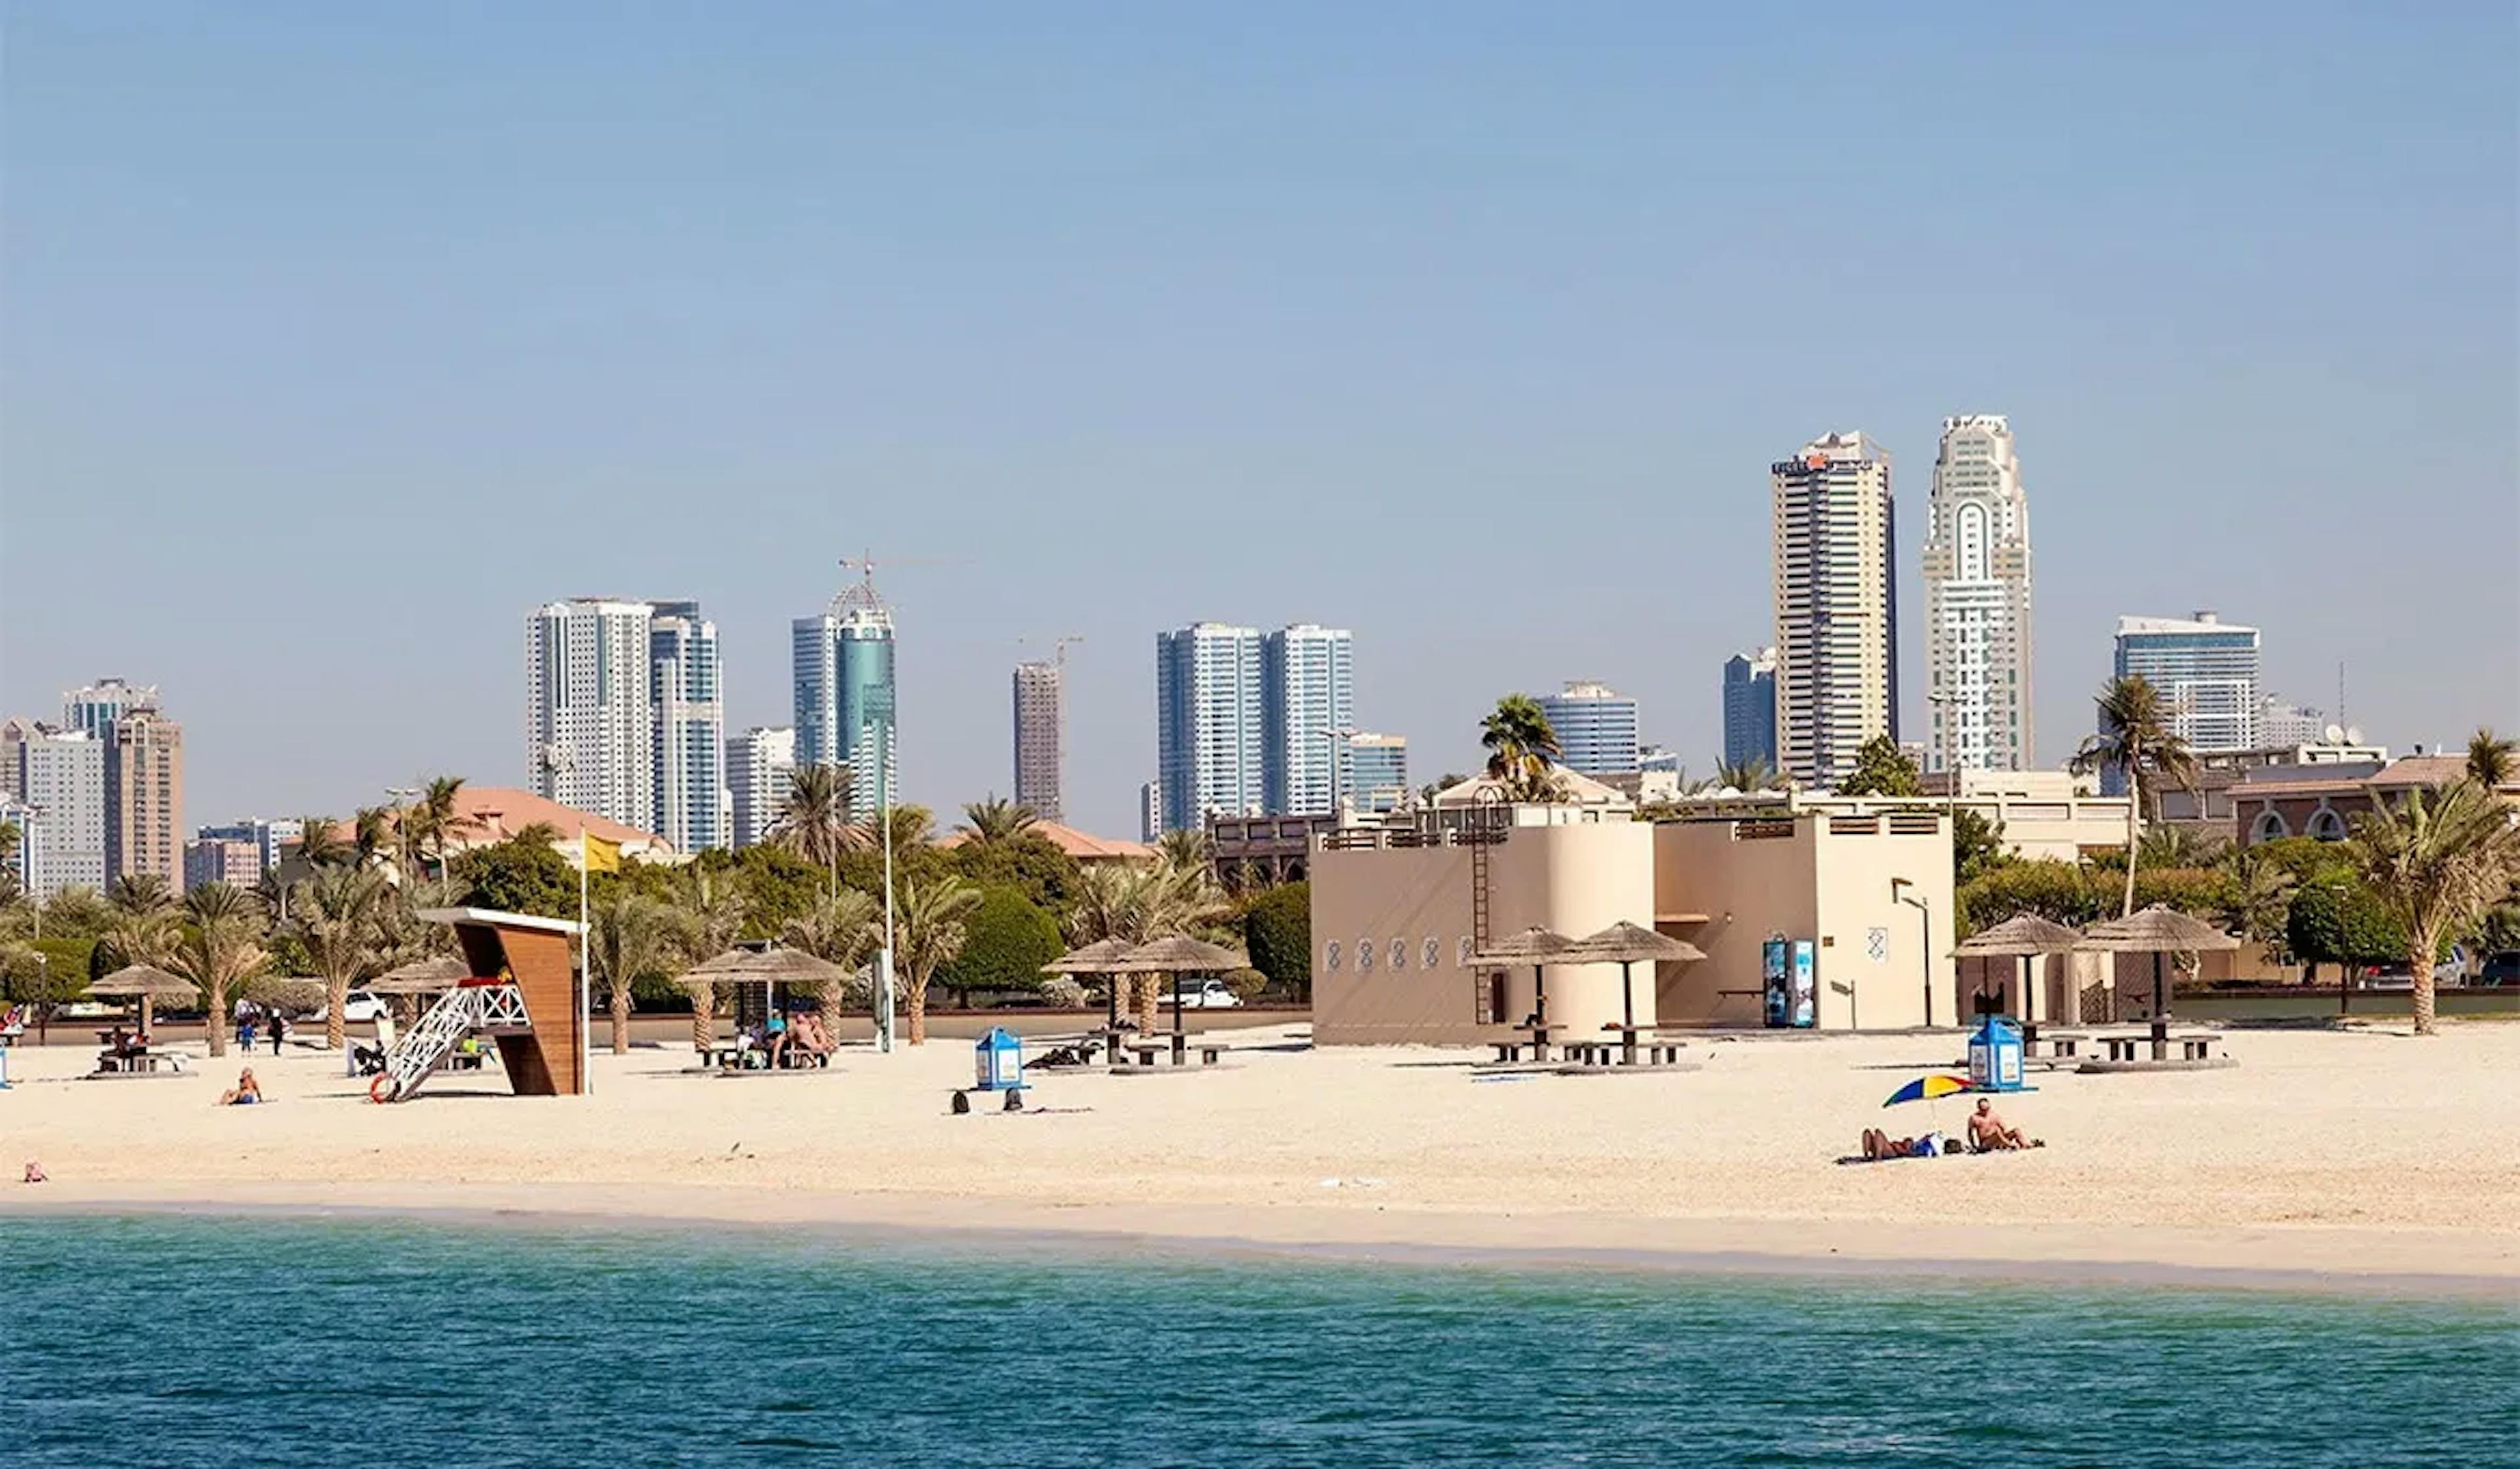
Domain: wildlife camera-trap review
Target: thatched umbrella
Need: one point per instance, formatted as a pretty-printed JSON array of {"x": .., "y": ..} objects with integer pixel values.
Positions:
[
  {"x": 148, "y": 984},
  {"x": 771, "y": 966},
  {"x": 1095, "y": 958},
  {"x": 2157, "y": 930},
  {"x": 1534, "y": 946},
  {"x": 2022, "y": 937},
  {"x": 1625, "y": 945},
  {"x": 434, "y": 975},
  {"x": 1178, "y": 956}
]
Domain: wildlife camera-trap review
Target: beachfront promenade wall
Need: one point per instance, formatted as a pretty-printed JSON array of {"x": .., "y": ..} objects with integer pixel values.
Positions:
[{"x": 1406, "y": 912}]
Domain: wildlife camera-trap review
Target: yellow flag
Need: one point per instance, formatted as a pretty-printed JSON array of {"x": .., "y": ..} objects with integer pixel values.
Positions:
[{"x": 601, "y": 856}]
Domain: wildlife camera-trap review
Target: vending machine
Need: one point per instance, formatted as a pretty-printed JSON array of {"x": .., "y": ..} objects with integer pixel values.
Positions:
[{"x": 1788, "y": 985}]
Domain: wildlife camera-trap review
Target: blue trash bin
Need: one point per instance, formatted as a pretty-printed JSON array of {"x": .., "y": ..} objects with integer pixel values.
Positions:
[
  {"x": 1995, "y": 1056},
  {"x": 997, "y": 1062}
]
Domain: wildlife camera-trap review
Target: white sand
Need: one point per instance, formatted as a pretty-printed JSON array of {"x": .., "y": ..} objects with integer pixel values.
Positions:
[{"x": 2353, "y": 1154}]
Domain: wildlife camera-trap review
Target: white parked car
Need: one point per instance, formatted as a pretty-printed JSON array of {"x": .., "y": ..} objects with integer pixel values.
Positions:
[
  {"x": 1208, "y": 995},
  {"x": 359, "y": 1008}
]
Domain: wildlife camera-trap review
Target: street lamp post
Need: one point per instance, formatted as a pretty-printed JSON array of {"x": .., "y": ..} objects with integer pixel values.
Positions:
[
  {"x": 1899, "y": 888},
  {"x": 1335, "y": 736}
]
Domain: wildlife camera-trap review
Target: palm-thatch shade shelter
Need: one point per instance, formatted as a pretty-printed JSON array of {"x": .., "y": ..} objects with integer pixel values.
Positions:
[
  {"x": 2023, "y": 937},
  {"x": 434, "y": 975},
  {"x": 1096, "y": 958},
  {"x": 1537, "y": 947},
  {"x": 148, "y": 984},
  {"x": 1626, "y": 945},
  {"x": 2157, "y": 930},
  {"x": 1178, "y": 956},
  {"x": 771, "y": 966}
]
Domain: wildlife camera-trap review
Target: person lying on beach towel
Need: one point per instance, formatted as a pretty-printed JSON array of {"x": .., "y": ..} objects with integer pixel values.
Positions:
[
  {"x": 1879, "y": 1144},
  {"x": 1988, "y": 1133}
]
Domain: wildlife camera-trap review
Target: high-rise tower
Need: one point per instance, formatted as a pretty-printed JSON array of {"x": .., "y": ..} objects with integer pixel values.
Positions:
[
  {"x": 1209, "y": 727},
  {"x": 1977, "y": 602},
  {"x": 1836, "y": 604},
  {"x": 1307, "y": 697},
  {"x": 691, "y": 727},
  {"x": 1040, "y": 735},
  {"x": 590, "y": 707},
  {"x": 846, "y": 705}
]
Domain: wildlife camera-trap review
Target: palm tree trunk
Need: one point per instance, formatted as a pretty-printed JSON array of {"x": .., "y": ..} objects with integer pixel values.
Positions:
[
  {"x": 620, "y": 999},
  {"x": 2420, "y": 966},
  {"x": 703, "y": 1016},
  {"x": 918, "y": 998},
  {"x": 336, "y": 1026},
  {"x": 219, "y": 1020},
  {"x": 2134, "y": 798},
  {"x": 1151, "y": 990}
]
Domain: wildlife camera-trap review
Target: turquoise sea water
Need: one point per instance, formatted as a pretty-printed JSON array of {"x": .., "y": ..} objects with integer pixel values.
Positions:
[{"x": 223, "y": 1341}]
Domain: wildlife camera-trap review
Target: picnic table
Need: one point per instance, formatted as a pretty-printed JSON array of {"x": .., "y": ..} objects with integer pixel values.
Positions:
[
  {"x": 1658, "y": 1051},
  {"x": 1537, "y": 1034},
  {"x": 142, "y": 1063},
  {"x": 2194, "y": 1045},
  {"x": 1150, "y": 1044}
]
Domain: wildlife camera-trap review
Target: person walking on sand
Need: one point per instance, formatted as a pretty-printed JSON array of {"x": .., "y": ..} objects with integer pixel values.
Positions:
[{"x": 278, "y": 1028}]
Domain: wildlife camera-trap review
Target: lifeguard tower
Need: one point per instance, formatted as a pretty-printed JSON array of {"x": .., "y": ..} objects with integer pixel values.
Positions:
[{"x": 523, "y": 992}]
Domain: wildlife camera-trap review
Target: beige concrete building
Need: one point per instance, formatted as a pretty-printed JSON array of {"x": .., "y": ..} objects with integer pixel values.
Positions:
[
  {"x": 2044, "y": 815},
  {"x": 1399, "y": 911},
  {"x": 144, "y": 797}
]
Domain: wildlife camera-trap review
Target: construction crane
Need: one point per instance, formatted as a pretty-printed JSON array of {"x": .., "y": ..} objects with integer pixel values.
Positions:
[{"x": 1058, "y": 647}]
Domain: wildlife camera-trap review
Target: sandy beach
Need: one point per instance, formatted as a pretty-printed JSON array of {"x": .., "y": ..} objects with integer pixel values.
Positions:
[{"x": 2326, "y": 1157}]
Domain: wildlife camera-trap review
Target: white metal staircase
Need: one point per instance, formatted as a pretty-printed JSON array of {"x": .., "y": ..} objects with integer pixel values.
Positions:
[{"x": 459, "y": 1012}]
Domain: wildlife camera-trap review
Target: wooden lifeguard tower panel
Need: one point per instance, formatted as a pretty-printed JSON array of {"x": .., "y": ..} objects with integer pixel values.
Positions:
[{"x": 527, "y": 997}]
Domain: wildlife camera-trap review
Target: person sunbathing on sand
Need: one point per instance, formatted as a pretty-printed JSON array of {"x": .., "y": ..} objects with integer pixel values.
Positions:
[
  {"x": 1879, "y": 1144},
  {"x": 1988, "y": 1133},
  {"x": 35, "y": 1172},
  {"x": 248, "y": 1091}
]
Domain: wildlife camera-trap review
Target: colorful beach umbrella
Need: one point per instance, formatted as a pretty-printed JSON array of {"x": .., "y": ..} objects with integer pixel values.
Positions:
[{"x": 1928, "y": 1089}]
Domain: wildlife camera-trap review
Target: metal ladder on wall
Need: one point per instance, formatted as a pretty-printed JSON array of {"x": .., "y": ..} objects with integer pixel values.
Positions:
[
  {"x": 1483, "y": 835},
  {"x": 420, "y": 1051}
]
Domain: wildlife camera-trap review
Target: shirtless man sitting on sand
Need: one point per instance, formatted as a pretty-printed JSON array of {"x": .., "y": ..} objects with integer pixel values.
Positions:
[{"x": 1987, "y": 1132}]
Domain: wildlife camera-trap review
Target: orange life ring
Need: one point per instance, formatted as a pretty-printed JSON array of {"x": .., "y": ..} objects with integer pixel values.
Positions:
[{"x": 383, "y": 1080}]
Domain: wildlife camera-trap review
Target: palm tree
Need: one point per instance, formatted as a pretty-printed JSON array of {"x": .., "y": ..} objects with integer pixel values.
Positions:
[
  {"x": 320, "y": 841},
  {"x": 2260, "y": 894},
  {"x": 2437, "y": 866},
  {"x": 913, "y": 827},
  {"x": 218, "y": 947},
  {"x": 139, "y": 893},
  {"x": 436, "y": 817},
  {"x": 628, "y": 934},
  {"x": 337, "y": 917},
  {"x": 2134, "y": 736},
  {"x": 842, "y": 927},
  {"x": 1522, "y": 748},
  {"x": 9, "y": 839},
  {"x": 2490, "y": 762},
  {"x": 1182, "y": 849},
  {"x": 1138, "y": 903},
  {"x": 371, "y": 831},
  {"x": 2168, "y": 846},
  {"x": 141, "y": 920},
  {"x": 996, "y": 820},
  {"x": 814, "y": 819},
  {"x": 928, "y": 933},
  {"x": 1753, "y": 774},
  {"x": 711, "y": 913}
]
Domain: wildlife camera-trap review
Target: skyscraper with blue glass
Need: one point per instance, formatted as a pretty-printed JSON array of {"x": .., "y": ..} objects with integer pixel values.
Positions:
[
  {"x": 1307, "y": 699},
  {"x": 1750, "y": 709},
  {"x": 1596, "y": 728},
  {"x": 844, "y": 693},
  {"x": 1210, "y": 732},
  {"x": 691, "y": 727}
]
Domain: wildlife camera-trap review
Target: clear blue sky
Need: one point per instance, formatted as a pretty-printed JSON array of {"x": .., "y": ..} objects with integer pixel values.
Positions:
[{"x": 338, "y": 336}]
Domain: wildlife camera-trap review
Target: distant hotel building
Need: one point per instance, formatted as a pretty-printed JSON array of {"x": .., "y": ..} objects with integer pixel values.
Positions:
[
  {"x": 760, "y": 765},
  {"x": 1373, "y": 771},
  {"x": 846, "y": 699},
  {"x": 2206, "y": 671},
  {"x": 144, "y": 797},
  {"x": 2289, "y": 726},
  {"x": 1209, "y": 724},
  {"x": 590, "y": 713},
  {"x": 689, "y": 729},
  {"x": 1041, "y": 737},
  {"x": 1977, "y": 602},
  {"x": 219, "y": 859},
  {"x": 1307, "y": 697},
  {"x": 55, "y": 784},
  {"x": 96, "y": 707},
  {"x": 1150, "y": 810},
  {"x": 1836, "y": 604},
  {"x": 1750, "y": 709},
  {"x": 1595, "y": 728}
]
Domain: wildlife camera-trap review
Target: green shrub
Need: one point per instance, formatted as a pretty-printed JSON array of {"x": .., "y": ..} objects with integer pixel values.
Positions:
[{"x": 1277, "y": 934}]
